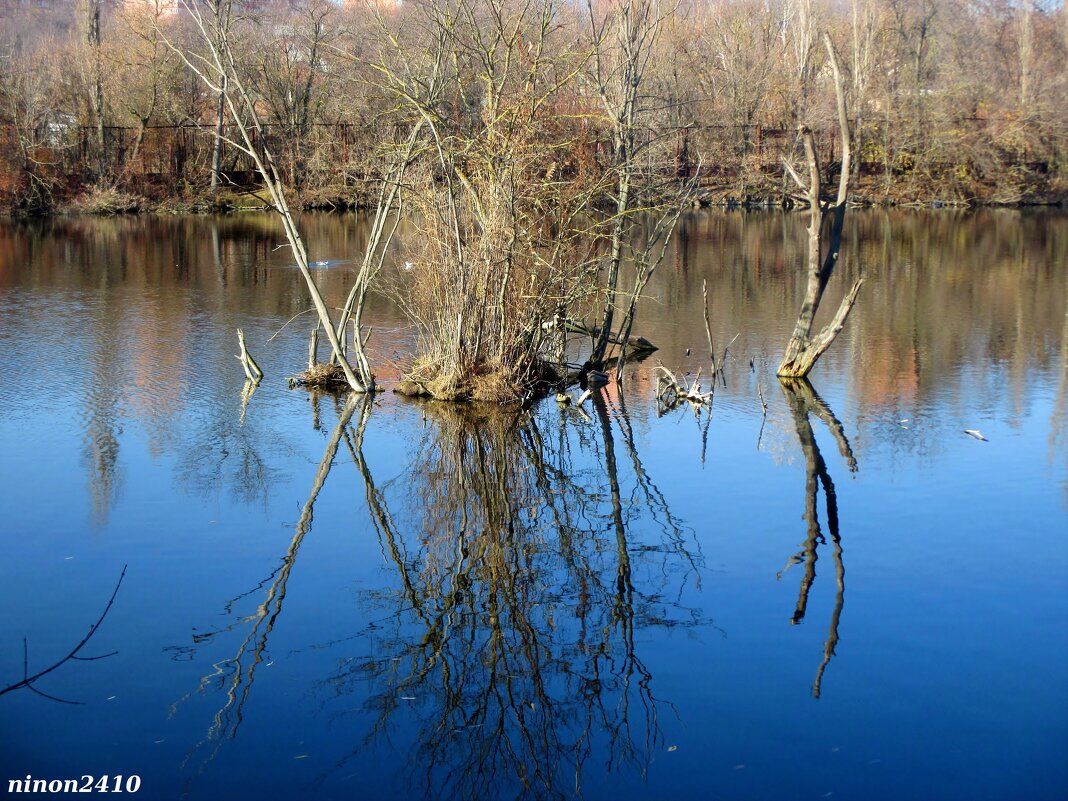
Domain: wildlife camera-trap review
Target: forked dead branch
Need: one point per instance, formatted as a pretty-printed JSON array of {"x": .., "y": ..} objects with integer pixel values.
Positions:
[{"x": 804, "y": 347}]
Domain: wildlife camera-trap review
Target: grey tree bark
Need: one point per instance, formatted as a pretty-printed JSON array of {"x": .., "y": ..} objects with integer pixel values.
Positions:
[{"x": 804, "y": 347}]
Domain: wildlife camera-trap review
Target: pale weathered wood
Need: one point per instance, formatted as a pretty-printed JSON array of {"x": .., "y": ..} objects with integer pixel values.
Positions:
[
  {"x": 804, "y": 347},
  {"x": 313, "y": 346},
  {"x": 252, "y": 370}
]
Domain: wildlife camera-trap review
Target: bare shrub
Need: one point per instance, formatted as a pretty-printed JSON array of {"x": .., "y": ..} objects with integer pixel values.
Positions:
[{"x": 105, "y": 199}]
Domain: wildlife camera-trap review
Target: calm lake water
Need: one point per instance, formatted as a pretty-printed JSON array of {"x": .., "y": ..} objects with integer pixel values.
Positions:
[{"x": 846, "y": 598}]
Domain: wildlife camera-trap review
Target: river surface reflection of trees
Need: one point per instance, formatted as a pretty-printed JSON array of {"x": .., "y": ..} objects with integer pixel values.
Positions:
[
  {"x": 528, "y": 554},
  {"x": 533, "y": 621},
  {"x": 955, "y": 305}
]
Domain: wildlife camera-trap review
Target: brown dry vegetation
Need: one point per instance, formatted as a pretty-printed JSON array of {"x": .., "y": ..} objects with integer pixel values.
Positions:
[
  {"x": 537, "y": 146},
  {"x": 957, "y": 101}
]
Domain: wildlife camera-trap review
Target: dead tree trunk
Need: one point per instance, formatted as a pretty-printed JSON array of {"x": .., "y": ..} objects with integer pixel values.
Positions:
[
  {"x": 216, "y": 151},
  {"x": 219, "y": 70},
  {"x": 96, "y": 94},
  {"x": 805, "y": 347}
]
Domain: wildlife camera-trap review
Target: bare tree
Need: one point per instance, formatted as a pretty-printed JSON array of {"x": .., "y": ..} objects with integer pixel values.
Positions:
[
  {"x": 90, "y": 10},
  {"x": 143, "y": 70},
  {"x": 624, "y": 43},
  {"x": 805, "y": 348},
  {"x": 224, "y": 14},
  {"x": 218, "y": 67}
]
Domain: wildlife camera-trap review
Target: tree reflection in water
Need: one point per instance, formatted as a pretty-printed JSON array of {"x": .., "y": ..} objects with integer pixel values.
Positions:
[
  {"x": 527, "y": 562},
  {"x": 236, "y": 676},
  {"x": 803, "y": 401}
]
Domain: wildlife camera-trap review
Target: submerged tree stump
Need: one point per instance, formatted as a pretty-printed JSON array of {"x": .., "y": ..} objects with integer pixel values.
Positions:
[{"x": 805, "y": 348}]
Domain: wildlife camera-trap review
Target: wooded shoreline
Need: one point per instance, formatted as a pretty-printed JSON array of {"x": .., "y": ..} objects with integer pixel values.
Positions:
[
  {"x": 950, "y": 102},
  {"x": 115, "y": 201}
]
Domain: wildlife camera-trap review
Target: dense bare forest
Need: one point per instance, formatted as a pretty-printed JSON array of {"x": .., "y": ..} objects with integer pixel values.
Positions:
[{"x": 950, "y": 101}]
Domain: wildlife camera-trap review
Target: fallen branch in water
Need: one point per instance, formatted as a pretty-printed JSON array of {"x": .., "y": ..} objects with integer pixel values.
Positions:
[
  {"x": 631, "y": 344},
  {"x": 670, "y": 392},
  {"x": 28, "y": 680}
]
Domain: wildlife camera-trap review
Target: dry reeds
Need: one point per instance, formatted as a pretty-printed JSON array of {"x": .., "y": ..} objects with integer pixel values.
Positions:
[
  {"x": 497, "y": 259},
  {"x": 321, "y": 376},
  {"x": 104, "y": 199}
]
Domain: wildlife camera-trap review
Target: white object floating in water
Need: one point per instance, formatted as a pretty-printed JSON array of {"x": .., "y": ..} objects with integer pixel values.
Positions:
[
  {"x": 673, "y": 748},
  {"x": 903, "y": 421},
  {"x": 971, "y": 432},
  {"x": 407, "y": 697}
]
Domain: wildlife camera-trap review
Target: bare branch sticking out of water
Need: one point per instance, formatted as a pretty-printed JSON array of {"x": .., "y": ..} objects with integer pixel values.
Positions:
[
  {"x": 764, "y": 412},
  {"x": 252, "y": 370},
  {"x": 717, "y": 366}
]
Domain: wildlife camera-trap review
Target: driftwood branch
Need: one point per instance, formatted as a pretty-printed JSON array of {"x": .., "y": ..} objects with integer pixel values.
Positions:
[
  {"x": 252, "y": 370},
  {"x": 671, "y": 392},
  {"x": 633, "y": 345}
]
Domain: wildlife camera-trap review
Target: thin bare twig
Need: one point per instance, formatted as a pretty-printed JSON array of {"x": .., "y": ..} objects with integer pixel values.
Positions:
[{"x": 27, "y": 680}]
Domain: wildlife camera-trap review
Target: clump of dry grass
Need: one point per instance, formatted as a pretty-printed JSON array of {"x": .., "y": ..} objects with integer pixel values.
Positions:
[
  {"x": 489, "y": 382},
  {"x": 104, "y": 199},
  {"x": 321, "y": 376},
  {"x": 494, "y": 265}
]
